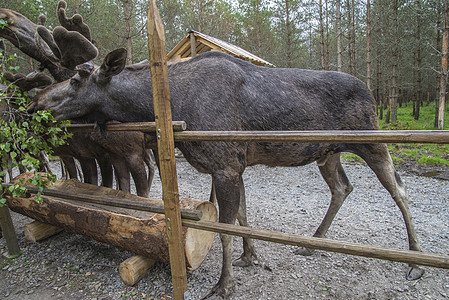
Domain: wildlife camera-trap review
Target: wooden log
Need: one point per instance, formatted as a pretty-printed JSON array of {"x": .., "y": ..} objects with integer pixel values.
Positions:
[
  {"x": 135, "y": 268},
  {"x": 143, "y": 233},
  {"x": 8, "y": 232},
  {"x": 37, "y": 231}
]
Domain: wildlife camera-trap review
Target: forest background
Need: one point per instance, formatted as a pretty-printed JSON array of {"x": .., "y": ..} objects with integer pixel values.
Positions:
[{"x": 395, "y": 46}]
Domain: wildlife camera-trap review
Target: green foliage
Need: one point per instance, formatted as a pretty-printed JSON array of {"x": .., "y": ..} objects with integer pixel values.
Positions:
[
  {"x": 407, "y": 122},
  {"x": 23, "y": 136}
]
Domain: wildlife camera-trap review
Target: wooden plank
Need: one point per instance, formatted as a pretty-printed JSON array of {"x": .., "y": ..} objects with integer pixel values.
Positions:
[
  {"x": 138, "y": 126},
  {"x": 8, "y": 232},
  {"x": 404, "y": 256},
  {"x": 166, "y": 149},
  {"x": 323, "y": 136}
]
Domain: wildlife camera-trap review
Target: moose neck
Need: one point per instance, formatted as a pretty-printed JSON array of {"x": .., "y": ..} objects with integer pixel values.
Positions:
[{"x": 129, "y": 96}]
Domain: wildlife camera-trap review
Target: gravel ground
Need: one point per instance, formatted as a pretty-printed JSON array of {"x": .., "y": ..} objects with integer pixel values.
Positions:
[{"x": 291, "y": 200}]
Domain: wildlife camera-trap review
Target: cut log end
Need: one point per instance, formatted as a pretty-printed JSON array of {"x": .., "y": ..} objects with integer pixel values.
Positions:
[
  {"x": 199, "y": 242},
  {"x": 134, "y": 268},
  {"x": 37, "y": 231}
]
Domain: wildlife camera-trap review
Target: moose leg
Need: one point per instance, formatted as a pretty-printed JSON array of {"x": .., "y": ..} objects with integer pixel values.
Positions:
[
  {"x": 227, "y": 187},
  {"x": 107, "y": 174},
  {"x": 89, "y": 168},
  {"x": 249, "y": 251},
  {"x": 137, "y": 168},
  {"x": 340, "y": 187},
  {"x": 121, "y": 173},
  {"x": 149, "y": 161},
  {"x": 69, "y": 166},
  {"x": 379, "y": 160}
]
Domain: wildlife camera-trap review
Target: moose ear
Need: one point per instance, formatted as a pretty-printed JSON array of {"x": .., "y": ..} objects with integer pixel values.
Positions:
[{"x": 113, "y": 63}]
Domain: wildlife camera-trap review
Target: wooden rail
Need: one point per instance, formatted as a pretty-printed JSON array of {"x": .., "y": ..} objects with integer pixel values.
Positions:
[
  {"x": 115, "y": 202},
  {"x": 138, "y": 126},
  {"x": 316, "y": 136},
  {"x": 322, "y": 136},
  {"x": 404, "y": 256}
]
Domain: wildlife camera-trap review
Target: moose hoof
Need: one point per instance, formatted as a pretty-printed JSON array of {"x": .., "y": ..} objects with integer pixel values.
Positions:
[
  {"x": 414, "y": 272},
  {"x": 220, "y": 291},
  {"x": 304, "y": 251},
  {"x": 242, "y": 262}
]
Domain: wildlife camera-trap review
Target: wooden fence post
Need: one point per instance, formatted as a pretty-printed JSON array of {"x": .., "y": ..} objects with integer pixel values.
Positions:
[
  {"x": 8, "y": 231},
  {"x": 166, "y": 149}
]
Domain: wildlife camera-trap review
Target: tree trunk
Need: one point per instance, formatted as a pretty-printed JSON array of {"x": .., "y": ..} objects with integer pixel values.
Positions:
[
  {"x": 339, "y": 46},
  {"x": 348, "y": 10},
  {"x": 327, "y": 36},
  {"x": 323, "y": 64},
  {"x": 418, "y": 60},
  {"x": 129, "y": 56},
  {"x": 444, "y": 53},
  {"x": 77, "y": 6},
  {"x": 289, "y": 34},
  {"x": 395, "y": 58},
  {"x": 438, "y": 46},
  {"x": 368, "y": 45},
  {"x": 140, "y": 232}
]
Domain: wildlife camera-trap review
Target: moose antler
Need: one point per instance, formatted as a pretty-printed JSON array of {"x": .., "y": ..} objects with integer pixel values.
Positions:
[
  {"x": 74, "y": 23},
  {"x": 28, "y": 82},
  {"x": 68, "y": 45}
]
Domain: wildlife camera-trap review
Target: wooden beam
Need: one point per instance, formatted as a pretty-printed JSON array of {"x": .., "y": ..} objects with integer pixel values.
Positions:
[
  {"x": 110, "y": 201},
  {"x": 323, "y": 136},
  {"x": 192, "y": 45},
  {"x": 404, "y": 256},
  {"x": 8, "y": 232},
  {"x": 166, "y": 150},
  {"x": 138, "y": 126}
]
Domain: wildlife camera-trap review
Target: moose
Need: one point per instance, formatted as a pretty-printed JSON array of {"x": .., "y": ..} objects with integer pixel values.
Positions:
[
  {"x": 125, "y": 154},
  {"x": 215, "y": 91}
]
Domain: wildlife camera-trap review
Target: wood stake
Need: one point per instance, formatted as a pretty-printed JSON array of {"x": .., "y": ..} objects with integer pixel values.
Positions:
[
  {"x": 8, "y": 232},
  {"x": 166, "y": 149}
]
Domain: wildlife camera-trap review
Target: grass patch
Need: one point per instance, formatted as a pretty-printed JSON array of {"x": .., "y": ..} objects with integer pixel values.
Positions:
[
  {"x": 420, "y": 154},
  {"x": 350, "y": 157}
]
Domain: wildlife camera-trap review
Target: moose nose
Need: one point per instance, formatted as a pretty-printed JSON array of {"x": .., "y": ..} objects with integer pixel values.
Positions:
[{"x": 32, "y": 108}]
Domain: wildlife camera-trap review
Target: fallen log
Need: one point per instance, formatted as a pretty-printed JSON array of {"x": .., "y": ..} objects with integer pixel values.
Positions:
[{"x": 143, "y": 233}]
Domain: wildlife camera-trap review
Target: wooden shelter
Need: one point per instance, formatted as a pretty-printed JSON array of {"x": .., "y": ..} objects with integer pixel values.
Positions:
[{"x": 195, "y": 43}]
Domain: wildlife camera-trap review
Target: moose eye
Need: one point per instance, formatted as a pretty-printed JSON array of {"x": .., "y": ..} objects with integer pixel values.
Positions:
[{"x": 74, "y": 81}]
